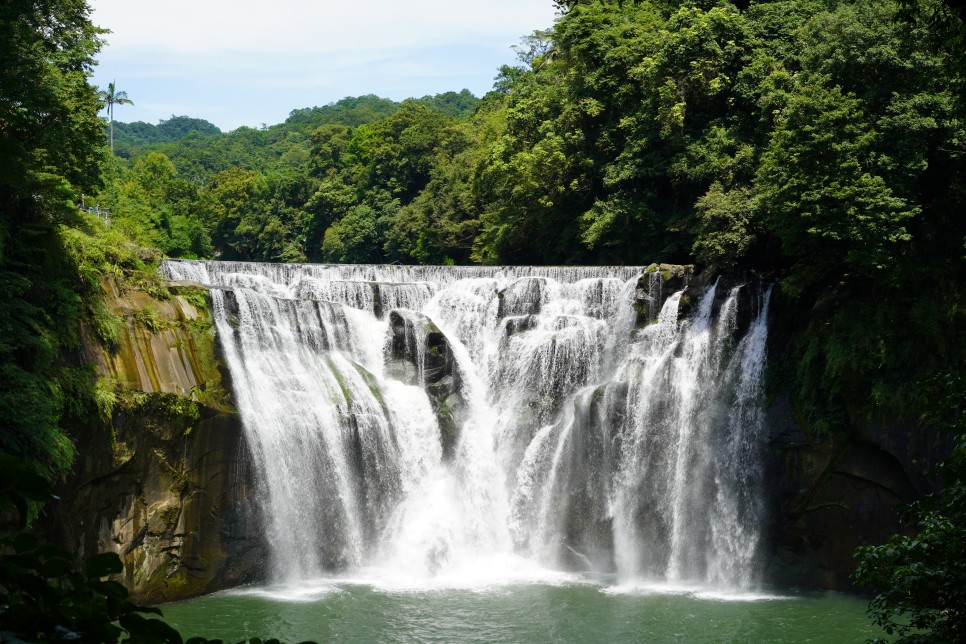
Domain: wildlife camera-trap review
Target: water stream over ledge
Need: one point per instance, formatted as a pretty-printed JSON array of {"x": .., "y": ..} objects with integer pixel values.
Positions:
[{"x": 451, "y": 426}]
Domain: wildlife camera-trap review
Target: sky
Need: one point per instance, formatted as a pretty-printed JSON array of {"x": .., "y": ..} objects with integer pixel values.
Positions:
[{"x": 251, "y": 62}]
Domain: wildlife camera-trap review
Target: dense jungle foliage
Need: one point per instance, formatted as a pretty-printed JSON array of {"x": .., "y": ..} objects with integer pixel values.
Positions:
[
  {"x": 51, "y": 148},
  {"x": 821, "y": 142}
]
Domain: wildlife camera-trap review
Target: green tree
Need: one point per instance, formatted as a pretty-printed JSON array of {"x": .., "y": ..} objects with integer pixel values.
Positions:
[
  {"x": 155, "y": 206},
  {"x": 442, "y": 223},
  {"x": 396, "y": 153},
  {"x": 49, "y": 155},
  {"x": 821, "y": 192},
  {"x": 460, "y": 104},
  {"x": 112, "y": 97},
  {"x": 352, "y": 239},
  {"x": 234, "y": 205}
]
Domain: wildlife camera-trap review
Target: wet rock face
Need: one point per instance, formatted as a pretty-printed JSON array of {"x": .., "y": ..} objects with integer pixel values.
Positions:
[
  {"x": 166, "y": 484},
  {"x": 657, "y": 283},
  {"x": 519, "y": 324},
  {"x": 164, "y": 346},
  {"x": 420, "y": 354},
  {"x": 521, "y": 297},
  {"x": 176, "y": 508},
  {"x": 832, "y": 494},
  {"x": 752, "y": 288}
]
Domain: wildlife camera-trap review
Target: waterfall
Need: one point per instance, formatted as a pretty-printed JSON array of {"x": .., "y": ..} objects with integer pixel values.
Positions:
[{"x": 426, "y": 421}]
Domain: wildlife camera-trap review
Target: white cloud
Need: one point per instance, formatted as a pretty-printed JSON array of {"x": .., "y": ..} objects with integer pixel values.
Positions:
[
  {"x": 297, "y": 26},
  {"x": 250, "y": 62}
]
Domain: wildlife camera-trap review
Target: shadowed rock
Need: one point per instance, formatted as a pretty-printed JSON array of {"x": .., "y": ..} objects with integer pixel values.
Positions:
[{"x": 420, "y": 354}]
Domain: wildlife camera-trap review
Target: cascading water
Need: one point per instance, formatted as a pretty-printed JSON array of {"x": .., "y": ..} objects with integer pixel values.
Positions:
[{"x": 417, "y": 421}]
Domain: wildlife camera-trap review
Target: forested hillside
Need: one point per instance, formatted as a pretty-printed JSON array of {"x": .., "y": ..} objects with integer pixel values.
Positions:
[
  {"x": 51, "y": 143},
  {"x": 129, "y": 138}
]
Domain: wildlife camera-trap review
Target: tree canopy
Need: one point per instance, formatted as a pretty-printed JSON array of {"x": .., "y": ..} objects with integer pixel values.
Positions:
[{"x": 50, "y": 142}]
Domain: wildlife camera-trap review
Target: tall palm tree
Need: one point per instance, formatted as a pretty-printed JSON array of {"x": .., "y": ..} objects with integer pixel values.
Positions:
[{"x": 111, "y": 97}]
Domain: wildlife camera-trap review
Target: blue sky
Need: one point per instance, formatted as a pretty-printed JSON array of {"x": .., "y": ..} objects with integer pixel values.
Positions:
[{"x": 251, "y": 62}]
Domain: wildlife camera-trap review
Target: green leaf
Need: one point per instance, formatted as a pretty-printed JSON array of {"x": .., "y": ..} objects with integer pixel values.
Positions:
[{"x": 103, "y": 564}]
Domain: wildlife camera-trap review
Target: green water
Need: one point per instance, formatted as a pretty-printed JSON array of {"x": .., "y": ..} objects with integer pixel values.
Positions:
[{"x": 535, "y": 612}]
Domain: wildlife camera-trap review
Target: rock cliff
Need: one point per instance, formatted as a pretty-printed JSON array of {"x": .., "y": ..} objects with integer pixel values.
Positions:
[
  {"x": 832, "y": 494},
  {"x": 420, "y": 354},
  {"x": 164, "y": 480}
]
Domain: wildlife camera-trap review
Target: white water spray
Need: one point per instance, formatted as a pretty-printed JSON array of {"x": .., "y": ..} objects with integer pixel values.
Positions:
[{"x": 429, "y": 423}]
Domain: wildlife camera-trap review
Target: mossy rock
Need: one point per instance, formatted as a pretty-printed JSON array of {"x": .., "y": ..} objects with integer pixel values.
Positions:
[{"x": 371, "y": 382}]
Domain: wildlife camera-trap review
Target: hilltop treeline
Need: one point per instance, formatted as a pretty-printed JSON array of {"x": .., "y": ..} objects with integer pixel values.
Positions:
[{"x": 823, "y": 135}]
